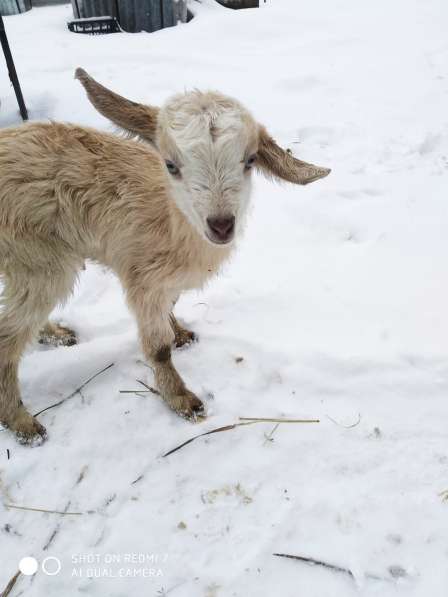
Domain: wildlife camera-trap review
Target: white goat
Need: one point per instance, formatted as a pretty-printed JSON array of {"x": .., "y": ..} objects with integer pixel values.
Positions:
[{"x": 163, "y": 215}]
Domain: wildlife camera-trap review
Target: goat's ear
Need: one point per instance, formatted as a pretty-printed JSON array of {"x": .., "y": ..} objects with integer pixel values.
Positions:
[
  {"x": 275, "y": 161},
  {"x": 137, "y": 119}
]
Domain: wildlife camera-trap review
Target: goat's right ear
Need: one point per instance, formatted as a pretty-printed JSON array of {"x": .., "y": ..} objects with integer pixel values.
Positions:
[{"x": 137, "y": 119}]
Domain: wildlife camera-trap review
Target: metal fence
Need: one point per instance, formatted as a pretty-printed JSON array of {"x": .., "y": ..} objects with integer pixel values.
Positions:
[{"x": 133, "y": 15}]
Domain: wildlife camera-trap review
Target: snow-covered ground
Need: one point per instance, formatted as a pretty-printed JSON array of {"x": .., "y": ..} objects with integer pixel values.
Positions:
[{"x": 336, "y": 302}]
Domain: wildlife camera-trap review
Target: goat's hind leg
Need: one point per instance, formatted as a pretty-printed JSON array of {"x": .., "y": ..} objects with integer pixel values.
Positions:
[
  {"x": 17, "y": 327},
  {"x": 54, "y": 334},
  {"x": 27, "y": 301}
]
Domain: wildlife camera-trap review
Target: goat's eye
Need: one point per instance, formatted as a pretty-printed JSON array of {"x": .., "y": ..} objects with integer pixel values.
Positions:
[
  {"x": 249, "y": 162},
  {"x": 172, "y": 168}
]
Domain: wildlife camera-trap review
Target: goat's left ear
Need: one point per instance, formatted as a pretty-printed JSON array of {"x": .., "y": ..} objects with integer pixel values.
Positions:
[
  {"x": 275, "y": 161},
  {"x": 137, "y": 119}
]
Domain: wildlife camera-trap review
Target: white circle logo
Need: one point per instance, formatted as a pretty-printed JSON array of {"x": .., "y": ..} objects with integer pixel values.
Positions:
[
  {"x": 53, "y": 568},
  {"x": 28, "y": 566}
]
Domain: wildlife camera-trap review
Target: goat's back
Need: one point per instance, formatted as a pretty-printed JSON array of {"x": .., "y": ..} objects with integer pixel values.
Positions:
[{"x": 56, "y": 177}]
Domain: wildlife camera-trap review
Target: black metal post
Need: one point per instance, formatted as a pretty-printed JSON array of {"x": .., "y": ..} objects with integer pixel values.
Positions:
[
  {"x": 162, "y": 14},
  {"x": 12, "y": 70},
  {"x": 117, "y": 11},
  {"x": 78, "y": 14}
]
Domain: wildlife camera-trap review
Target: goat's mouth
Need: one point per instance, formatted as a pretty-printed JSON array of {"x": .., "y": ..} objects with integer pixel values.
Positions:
[
  {"x": 216, "y": 241},
  {"x": 220, "y": 229}
]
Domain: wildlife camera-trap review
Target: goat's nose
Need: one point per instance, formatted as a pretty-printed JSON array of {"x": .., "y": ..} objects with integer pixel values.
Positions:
[{"x": 222, "y": 226}]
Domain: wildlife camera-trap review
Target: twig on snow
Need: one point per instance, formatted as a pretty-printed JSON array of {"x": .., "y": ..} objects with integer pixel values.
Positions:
[
  {"x": 77, "y": 391},
  {"x": 148, "y": 388},
  {"x": 355, "y": 424},
  {"x": 53, "y": 535},
  {"x": 395, "y": 571},
  {"x": 268, "y": 437},
  {"x": 315, "y": 562},
  {"x": 10, "y": 585},
  {"x": 57, "y": 528},
  {"x": 217, "y": 430}
]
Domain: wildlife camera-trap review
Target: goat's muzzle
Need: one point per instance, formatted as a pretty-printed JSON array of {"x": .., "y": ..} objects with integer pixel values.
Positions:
[{"x": 221, "y": 229}]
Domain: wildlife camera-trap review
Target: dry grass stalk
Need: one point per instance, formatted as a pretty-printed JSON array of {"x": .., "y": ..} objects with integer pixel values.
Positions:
[
  {"x": 148, "y": 390},
  {"x": 279, "y": 420},
  {"x": 10, "y": 585},
  {"x": 245, "y": 421},
  {"x": 43, "y": 510}
]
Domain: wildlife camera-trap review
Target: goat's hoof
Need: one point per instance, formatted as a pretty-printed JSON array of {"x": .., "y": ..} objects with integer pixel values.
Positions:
[
  {"x": 188, "y": 406},
  {"x": 57, "y": 335},
  {"x": 184, "y": 338},
  {"x": 27, "y": 429}
]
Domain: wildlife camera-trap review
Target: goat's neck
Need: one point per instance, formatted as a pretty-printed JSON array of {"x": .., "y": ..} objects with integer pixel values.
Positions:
[{"x": 199, "y": 258}]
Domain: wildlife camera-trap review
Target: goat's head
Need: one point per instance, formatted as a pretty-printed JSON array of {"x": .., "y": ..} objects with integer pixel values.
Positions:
[{"x": 210, "y": 144}]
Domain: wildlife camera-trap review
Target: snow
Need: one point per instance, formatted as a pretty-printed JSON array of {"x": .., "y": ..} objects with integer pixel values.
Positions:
[{"x": 336, "y": 300}]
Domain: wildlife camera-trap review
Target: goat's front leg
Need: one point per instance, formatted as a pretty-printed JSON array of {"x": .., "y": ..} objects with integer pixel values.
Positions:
[{"x": 156, "y": 334}]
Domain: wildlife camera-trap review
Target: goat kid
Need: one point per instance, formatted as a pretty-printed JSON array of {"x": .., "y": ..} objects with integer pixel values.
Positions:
[{"x": 162, "y": 213}]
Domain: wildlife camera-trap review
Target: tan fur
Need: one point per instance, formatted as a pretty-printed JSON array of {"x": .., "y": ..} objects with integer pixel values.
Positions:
[
  {"x": 182, "y": 336},
  {"x": 128, "y": 115},
  {"x": 69, "y": 193},
  {"x": 275, "y": 161},
  {"x": 53, "y": 334},
  {"x": 142, "y": 120}
]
